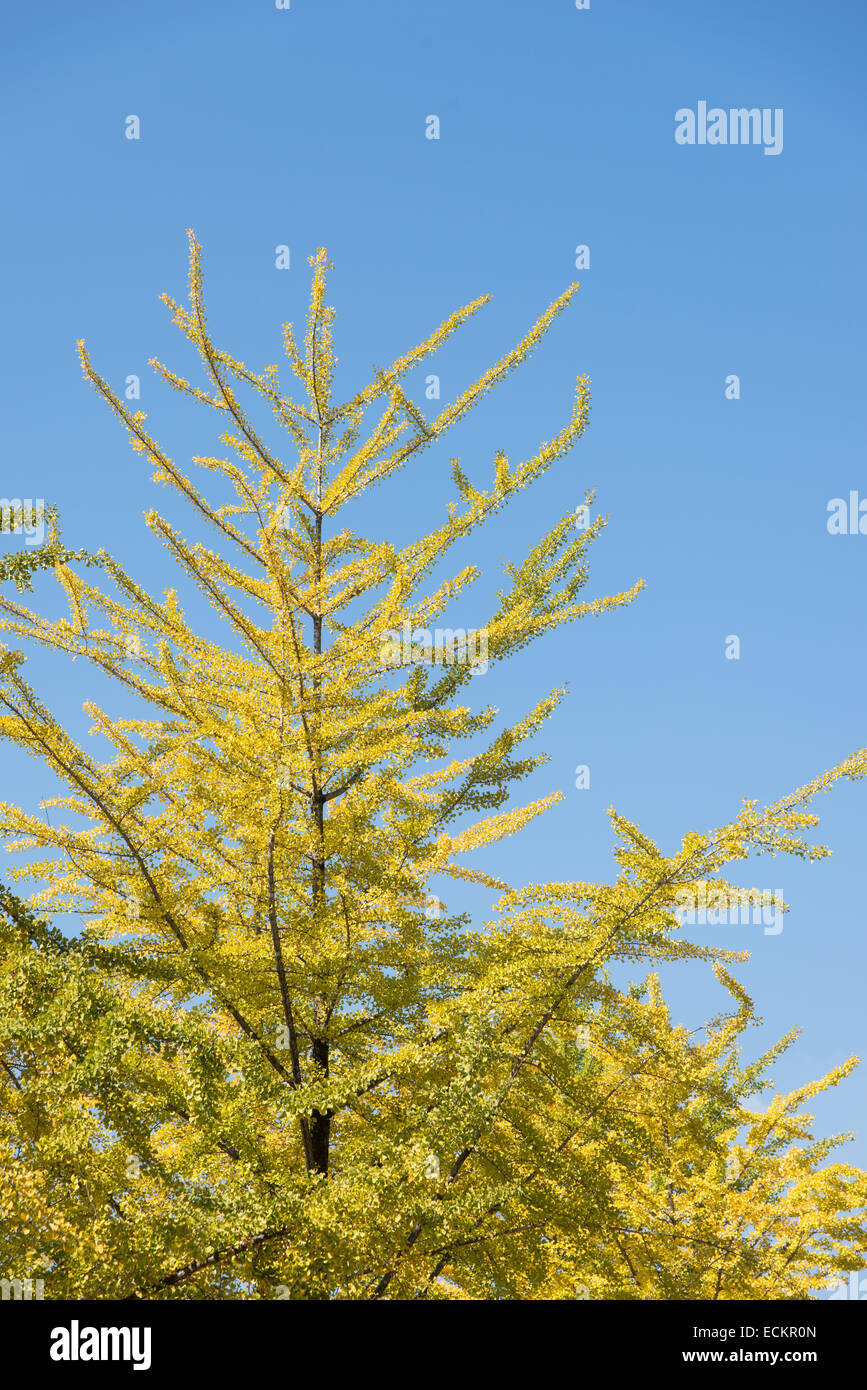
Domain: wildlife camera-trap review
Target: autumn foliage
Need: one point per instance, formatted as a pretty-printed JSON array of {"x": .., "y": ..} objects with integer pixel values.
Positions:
[{"x": 272, "y": 1065}]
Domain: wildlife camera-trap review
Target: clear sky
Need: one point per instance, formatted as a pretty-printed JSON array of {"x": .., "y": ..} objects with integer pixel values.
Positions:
[{"x": 261, "y": 127}]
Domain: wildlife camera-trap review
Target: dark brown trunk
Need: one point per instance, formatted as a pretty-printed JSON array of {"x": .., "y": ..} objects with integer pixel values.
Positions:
[{"x": 320, "y": 1123}]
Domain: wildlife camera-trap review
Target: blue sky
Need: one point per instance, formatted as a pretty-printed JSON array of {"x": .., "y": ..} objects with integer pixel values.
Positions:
[{"x": 306, "y": 127}]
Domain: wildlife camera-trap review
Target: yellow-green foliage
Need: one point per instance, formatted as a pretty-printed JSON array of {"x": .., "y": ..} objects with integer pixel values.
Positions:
[{"x": 267, "y": 1068}]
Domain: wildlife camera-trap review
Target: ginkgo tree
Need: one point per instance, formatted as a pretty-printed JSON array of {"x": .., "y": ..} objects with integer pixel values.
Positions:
[{"x": 271, "y": 1064}]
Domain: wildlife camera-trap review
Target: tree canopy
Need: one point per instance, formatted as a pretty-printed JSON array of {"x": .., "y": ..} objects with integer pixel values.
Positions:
[{"x": 271, "y": 1063}]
